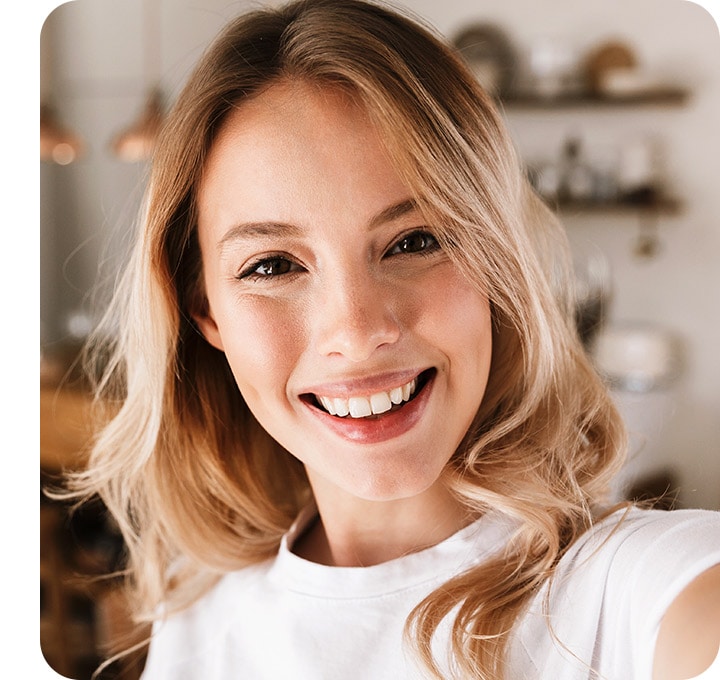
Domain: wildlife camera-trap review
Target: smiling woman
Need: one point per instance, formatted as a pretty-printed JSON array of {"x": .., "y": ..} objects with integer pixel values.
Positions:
[
  {"x": 374, "y": 306},
  {"x": 359, "y": 436}
]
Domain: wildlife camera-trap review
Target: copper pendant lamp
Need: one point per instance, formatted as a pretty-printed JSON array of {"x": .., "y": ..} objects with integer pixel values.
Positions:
[
  {"x": 57, "y": 143},
  {"x": 137, "y": 142}
]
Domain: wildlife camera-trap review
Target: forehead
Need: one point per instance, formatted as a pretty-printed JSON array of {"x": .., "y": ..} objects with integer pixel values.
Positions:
[
  {"x": 294, "y": 113},
  {"x": 297, "y": 151}
]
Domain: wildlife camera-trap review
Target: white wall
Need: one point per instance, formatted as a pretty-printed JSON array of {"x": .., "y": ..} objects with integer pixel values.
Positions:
[{"x": 99, "y": 73}]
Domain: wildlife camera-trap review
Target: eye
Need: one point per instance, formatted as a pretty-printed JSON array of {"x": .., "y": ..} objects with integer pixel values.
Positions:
[
  {"x": 269, "y": 267},
  {"x": 418, "y": 241}
]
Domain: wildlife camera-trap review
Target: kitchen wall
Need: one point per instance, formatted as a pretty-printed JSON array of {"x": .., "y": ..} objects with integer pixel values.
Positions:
[{"x": 100, "y": 57}]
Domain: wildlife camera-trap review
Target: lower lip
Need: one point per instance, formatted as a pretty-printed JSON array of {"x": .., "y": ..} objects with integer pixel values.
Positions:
[{"x": 381, "y": 428}]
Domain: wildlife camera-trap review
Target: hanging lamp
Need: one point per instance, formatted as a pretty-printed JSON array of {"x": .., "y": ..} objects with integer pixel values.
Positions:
[
  {"x": 57, "y": 143},
  {"x": 137, "y": 142}
]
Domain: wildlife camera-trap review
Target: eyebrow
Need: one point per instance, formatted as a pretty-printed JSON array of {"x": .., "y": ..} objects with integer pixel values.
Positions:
[
  {"x": 394, "y": 212},
  {"x": 248, "y": 230}
]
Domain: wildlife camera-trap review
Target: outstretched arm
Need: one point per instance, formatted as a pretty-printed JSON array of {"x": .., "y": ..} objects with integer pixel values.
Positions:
[{"x": 689, "y": 636}]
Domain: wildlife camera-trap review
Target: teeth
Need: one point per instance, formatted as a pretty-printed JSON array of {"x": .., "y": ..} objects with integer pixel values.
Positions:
[
  {"x": 361, "y": 407},
  {"x": 407, "y": 390},
  {"x": 380, "y": 402},
  {"x": 341, "y": 407},
  {"x": 328, "y": 405}
]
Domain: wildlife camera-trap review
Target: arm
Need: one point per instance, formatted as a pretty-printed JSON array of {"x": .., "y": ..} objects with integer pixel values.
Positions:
[{"x": 689, "y": 636}]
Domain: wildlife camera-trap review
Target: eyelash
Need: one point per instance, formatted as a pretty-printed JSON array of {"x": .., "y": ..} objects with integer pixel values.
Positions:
[
  {"x": 251, "y": 271},
  {"x": 427, "y": 246}
]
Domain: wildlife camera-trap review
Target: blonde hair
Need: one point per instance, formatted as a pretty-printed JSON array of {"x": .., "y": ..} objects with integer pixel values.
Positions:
[{"x": 196, "y": 485}]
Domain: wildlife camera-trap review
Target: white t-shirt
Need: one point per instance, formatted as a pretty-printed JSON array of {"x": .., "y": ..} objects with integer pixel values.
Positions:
[{"x": 291, "y": 619}]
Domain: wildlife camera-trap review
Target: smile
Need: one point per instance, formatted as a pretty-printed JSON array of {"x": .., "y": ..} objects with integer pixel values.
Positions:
[
  {"x": 377, "y": 415},
  {"x": 373, "y": 404},
  {"x": 364, "y": 406}
]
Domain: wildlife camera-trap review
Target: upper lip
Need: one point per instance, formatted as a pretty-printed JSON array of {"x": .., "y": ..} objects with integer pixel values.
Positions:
[{"x": 363, "y": 386}]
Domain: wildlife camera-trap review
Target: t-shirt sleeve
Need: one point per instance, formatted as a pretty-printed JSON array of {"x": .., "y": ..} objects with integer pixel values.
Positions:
[{"x": 659, "y": 555}]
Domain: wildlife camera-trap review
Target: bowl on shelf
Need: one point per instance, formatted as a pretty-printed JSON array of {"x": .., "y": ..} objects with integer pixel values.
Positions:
[{"x": 637, "y": 357}]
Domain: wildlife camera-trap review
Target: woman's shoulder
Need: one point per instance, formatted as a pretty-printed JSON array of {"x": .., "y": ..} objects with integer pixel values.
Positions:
[
  {"x": 630, "y": 520},
  {"x": 184, "y": 642},
  {"x": 231, "y": 588},
  {"x": 192, "y": 632},
  {"x": 641, "y": 560},
  {"x": 644, "y": 558},
  {"x": 634, "y": 529},
  {"x": 665, "y": 545},
  {"x": 611, "y": 589}
]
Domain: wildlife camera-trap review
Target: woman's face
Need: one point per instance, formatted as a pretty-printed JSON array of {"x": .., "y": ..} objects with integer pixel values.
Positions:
[{"x": 353, "y": 338}]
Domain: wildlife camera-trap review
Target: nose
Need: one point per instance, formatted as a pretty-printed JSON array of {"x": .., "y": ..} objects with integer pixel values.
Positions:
[{"x": 356, "y": 317}]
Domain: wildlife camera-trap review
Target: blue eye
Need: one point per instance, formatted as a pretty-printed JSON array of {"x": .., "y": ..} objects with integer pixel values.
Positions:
[
  {"x": 415, "y": 242},
  {"x": 269, "y": 267}
]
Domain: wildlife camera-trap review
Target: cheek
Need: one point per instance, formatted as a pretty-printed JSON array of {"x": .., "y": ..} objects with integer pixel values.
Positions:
[
  {"x": 463, "y": 325},
  {"x": 459, "y": 316},
  {"x": 262, "y": 340}
]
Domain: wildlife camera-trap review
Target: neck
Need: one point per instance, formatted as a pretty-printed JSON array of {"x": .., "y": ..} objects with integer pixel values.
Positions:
[{"x": 353, "y": 532}]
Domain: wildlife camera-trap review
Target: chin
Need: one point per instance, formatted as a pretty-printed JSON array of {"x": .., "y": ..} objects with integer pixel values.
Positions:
[{"x": 391, "y": 486}]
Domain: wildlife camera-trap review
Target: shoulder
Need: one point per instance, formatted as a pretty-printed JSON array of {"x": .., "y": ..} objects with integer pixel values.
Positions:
[
  {"x": 653, "y": 552},
  {"x": 664, "y": 575},
  {"x": 185, "y": 639},
  {"x": 631, "y": 520},
  {"x": 610, "y": 591},
  {"x": 630, "y": 533},
  {"x": 690, "y": 533}
]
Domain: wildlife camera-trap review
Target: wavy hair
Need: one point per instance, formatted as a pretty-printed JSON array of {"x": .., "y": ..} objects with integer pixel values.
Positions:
[{"x": 196, "y": 485}]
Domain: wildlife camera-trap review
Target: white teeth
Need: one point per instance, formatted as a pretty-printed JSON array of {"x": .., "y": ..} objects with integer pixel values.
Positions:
[
  {"x": 328, "y": 405},
  {"x": 380, "y": 402},
  {"x": 341, "y": 407},
  {"x": 361, "y": 407},
  {"x": 408, "y": 389}
]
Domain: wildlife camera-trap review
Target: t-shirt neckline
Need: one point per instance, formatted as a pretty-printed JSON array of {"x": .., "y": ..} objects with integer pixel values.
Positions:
[{"x": 460, "y": 551}]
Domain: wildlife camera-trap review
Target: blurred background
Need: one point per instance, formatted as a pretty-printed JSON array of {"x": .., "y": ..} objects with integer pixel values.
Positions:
[{"x": 614, "y": 106}]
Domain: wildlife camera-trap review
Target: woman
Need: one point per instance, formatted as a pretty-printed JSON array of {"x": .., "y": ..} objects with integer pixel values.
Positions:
[{"x": 356, "y": 434}]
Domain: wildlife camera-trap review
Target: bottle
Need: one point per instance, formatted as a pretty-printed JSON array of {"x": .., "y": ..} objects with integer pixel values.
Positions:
[
  {"x": 578, "y": 180},
  {"x": 547, "y": 180}
]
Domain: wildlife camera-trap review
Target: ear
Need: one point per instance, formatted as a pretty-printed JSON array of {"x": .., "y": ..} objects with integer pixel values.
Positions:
[{"x": 208, "y": 327}]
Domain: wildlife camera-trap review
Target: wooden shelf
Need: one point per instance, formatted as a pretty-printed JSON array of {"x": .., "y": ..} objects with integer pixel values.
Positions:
[{"x": 658, "y": 97}]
